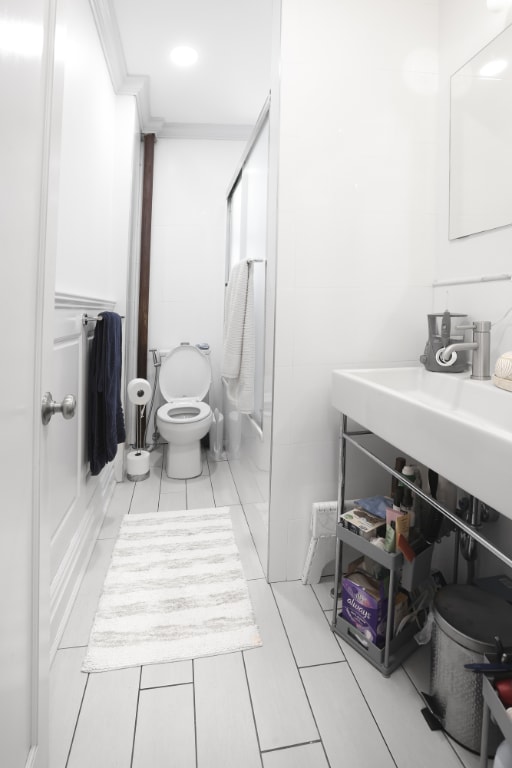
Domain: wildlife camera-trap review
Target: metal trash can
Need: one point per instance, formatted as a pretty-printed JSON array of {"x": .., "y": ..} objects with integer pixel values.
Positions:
[{"x": 466, "y": 621}]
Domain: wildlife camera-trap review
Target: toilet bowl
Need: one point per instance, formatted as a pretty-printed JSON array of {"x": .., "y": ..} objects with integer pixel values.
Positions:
[{"x": 185, "y": 378}]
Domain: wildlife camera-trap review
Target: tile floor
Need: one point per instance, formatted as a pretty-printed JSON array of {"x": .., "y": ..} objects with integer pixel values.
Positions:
[{"x": 303, "y": 700}]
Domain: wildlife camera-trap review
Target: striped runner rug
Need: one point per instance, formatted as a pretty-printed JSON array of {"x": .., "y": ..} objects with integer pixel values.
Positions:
[{"x": 174, "y": 590}]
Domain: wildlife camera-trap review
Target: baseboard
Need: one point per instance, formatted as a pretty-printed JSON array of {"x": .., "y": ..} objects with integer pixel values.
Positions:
[{"x": 71, "y": 571}]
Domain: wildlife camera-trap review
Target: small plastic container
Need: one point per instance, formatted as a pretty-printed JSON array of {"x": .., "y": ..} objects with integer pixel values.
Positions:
[
  {"x": 503, "y": 758},
  {"x": 415, "y": 573},
  {"x": 217, "y": 435}
]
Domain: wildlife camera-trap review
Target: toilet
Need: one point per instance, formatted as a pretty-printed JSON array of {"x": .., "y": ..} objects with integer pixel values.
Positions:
[{"x": 185, "y": 378}]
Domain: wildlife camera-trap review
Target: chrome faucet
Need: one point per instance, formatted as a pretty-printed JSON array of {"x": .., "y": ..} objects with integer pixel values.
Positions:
[{"x": 481, "y": 346}]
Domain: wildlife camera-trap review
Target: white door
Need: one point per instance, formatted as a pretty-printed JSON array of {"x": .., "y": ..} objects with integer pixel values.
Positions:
[{"x": 26, "y": 304}]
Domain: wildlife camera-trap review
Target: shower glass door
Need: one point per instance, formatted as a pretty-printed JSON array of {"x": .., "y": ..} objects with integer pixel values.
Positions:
[{"x": 247, "y": 208}]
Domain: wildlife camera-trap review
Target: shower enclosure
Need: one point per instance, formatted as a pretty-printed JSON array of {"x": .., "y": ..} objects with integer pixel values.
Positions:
[{"x": 247, "y": 436}]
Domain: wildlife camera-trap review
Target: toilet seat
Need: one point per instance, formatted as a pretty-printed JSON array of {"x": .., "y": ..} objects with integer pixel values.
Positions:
[{"x": 184, "y": 411}]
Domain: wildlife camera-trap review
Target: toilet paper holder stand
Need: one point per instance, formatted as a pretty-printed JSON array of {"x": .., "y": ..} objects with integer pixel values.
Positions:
[{"x": 137, "y": 461}]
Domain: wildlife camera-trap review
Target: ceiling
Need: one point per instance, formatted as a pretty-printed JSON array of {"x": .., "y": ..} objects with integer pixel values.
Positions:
[{"x": 231, "y": 79}]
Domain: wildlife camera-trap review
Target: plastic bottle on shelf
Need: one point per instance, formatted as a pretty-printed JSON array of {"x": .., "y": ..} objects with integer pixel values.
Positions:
[
  {"x": 407, "y": 504},
  {"x": 400, "y": 463}
]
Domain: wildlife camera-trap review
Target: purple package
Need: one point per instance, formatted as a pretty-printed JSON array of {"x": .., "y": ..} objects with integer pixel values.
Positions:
[{"x": 365, "y": 607}]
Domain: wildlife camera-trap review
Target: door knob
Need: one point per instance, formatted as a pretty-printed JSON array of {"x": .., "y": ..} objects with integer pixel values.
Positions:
[{"x": 49, "y": 407}]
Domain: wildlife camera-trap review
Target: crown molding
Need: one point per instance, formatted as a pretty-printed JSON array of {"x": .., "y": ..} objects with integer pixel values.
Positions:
[
  {"x": 123, "y": 83},
  {"x": 138, "y": 86},
  {"x": 205, "y": 131},
  {"x": 108, "y": 31}
]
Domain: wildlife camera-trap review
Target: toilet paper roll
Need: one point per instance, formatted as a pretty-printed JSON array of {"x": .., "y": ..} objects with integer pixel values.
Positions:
[
  {"x": 137, "y": 465},
  {"x": 139, "y": 391}
]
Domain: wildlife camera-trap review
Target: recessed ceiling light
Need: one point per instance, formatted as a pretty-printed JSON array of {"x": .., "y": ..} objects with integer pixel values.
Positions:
[{"x": 184, "y": 56}]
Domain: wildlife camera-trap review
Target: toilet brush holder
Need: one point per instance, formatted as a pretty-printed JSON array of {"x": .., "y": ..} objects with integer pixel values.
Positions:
[{"x": 137, "y": 465}]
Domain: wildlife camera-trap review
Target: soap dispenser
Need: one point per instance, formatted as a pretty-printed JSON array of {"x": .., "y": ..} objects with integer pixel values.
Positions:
[{"x": 439, "y": 336}]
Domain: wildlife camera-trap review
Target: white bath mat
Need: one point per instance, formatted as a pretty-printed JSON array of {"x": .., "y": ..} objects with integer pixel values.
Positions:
[{"x": 174, "y": 590}]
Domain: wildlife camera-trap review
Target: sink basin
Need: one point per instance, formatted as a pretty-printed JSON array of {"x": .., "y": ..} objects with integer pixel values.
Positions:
[{"x": 460, "y": 427}]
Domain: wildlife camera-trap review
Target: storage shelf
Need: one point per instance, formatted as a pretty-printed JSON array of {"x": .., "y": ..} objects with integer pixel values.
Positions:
[
  {"x": 400, "y": 647},
  {"x": 396, "y": 649},
  {"x": 390, "y": 560},
  {"x": 496, "y": 708}
]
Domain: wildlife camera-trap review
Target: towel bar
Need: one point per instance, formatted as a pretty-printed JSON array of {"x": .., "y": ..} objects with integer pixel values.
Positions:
[{"x": 88, "y": 319}]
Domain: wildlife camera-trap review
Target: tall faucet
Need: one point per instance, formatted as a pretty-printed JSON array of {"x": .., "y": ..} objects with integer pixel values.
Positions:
[{"x": 481, "y": 346}]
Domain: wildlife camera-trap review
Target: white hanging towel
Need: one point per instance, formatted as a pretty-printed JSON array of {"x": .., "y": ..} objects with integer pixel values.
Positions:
[{"x": 238, "y": 358}]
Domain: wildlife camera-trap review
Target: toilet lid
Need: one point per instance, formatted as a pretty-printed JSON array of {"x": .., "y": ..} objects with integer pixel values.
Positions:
[{"x": 185, "y": 372}]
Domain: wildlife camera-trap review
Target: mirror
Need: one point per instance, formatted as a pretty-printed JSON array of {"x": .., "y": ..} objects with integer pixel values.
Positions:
[{"x": 481, "y": 140}]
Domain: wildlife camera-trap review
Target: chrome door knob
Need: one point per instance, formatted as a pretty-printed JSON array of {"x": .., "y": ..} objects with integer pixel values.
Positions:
[{"x": 49, "y": 407}]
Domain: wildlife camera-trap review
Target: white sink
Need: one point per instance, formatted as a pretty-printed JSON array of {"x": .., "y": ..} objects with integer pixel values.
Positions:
[{"x": 459, "y": 427}]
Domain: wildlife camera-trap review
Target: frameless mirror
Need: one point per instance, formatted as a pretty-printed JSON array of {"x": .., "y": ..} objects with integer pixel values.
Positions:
[{"x": 481, "y": 140}]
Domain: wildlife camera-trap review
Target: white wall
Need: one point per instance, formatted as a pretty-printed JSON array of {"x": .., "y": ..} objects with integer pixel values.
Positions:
[
  {"x": 93, "y": 165},
  {"x": 465, "y": 27},
  {"x": 188, "y": 242},
  {"x": 356, "y": 229},
  {"x": 96, "y": 166}
]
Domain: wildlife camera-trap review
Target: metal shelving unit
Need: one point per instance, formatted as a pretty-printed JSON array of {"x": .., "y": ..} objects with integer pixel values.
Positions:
[
  {"x": 395, "y": 649},
  {"x": 494, "y": 707}
]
